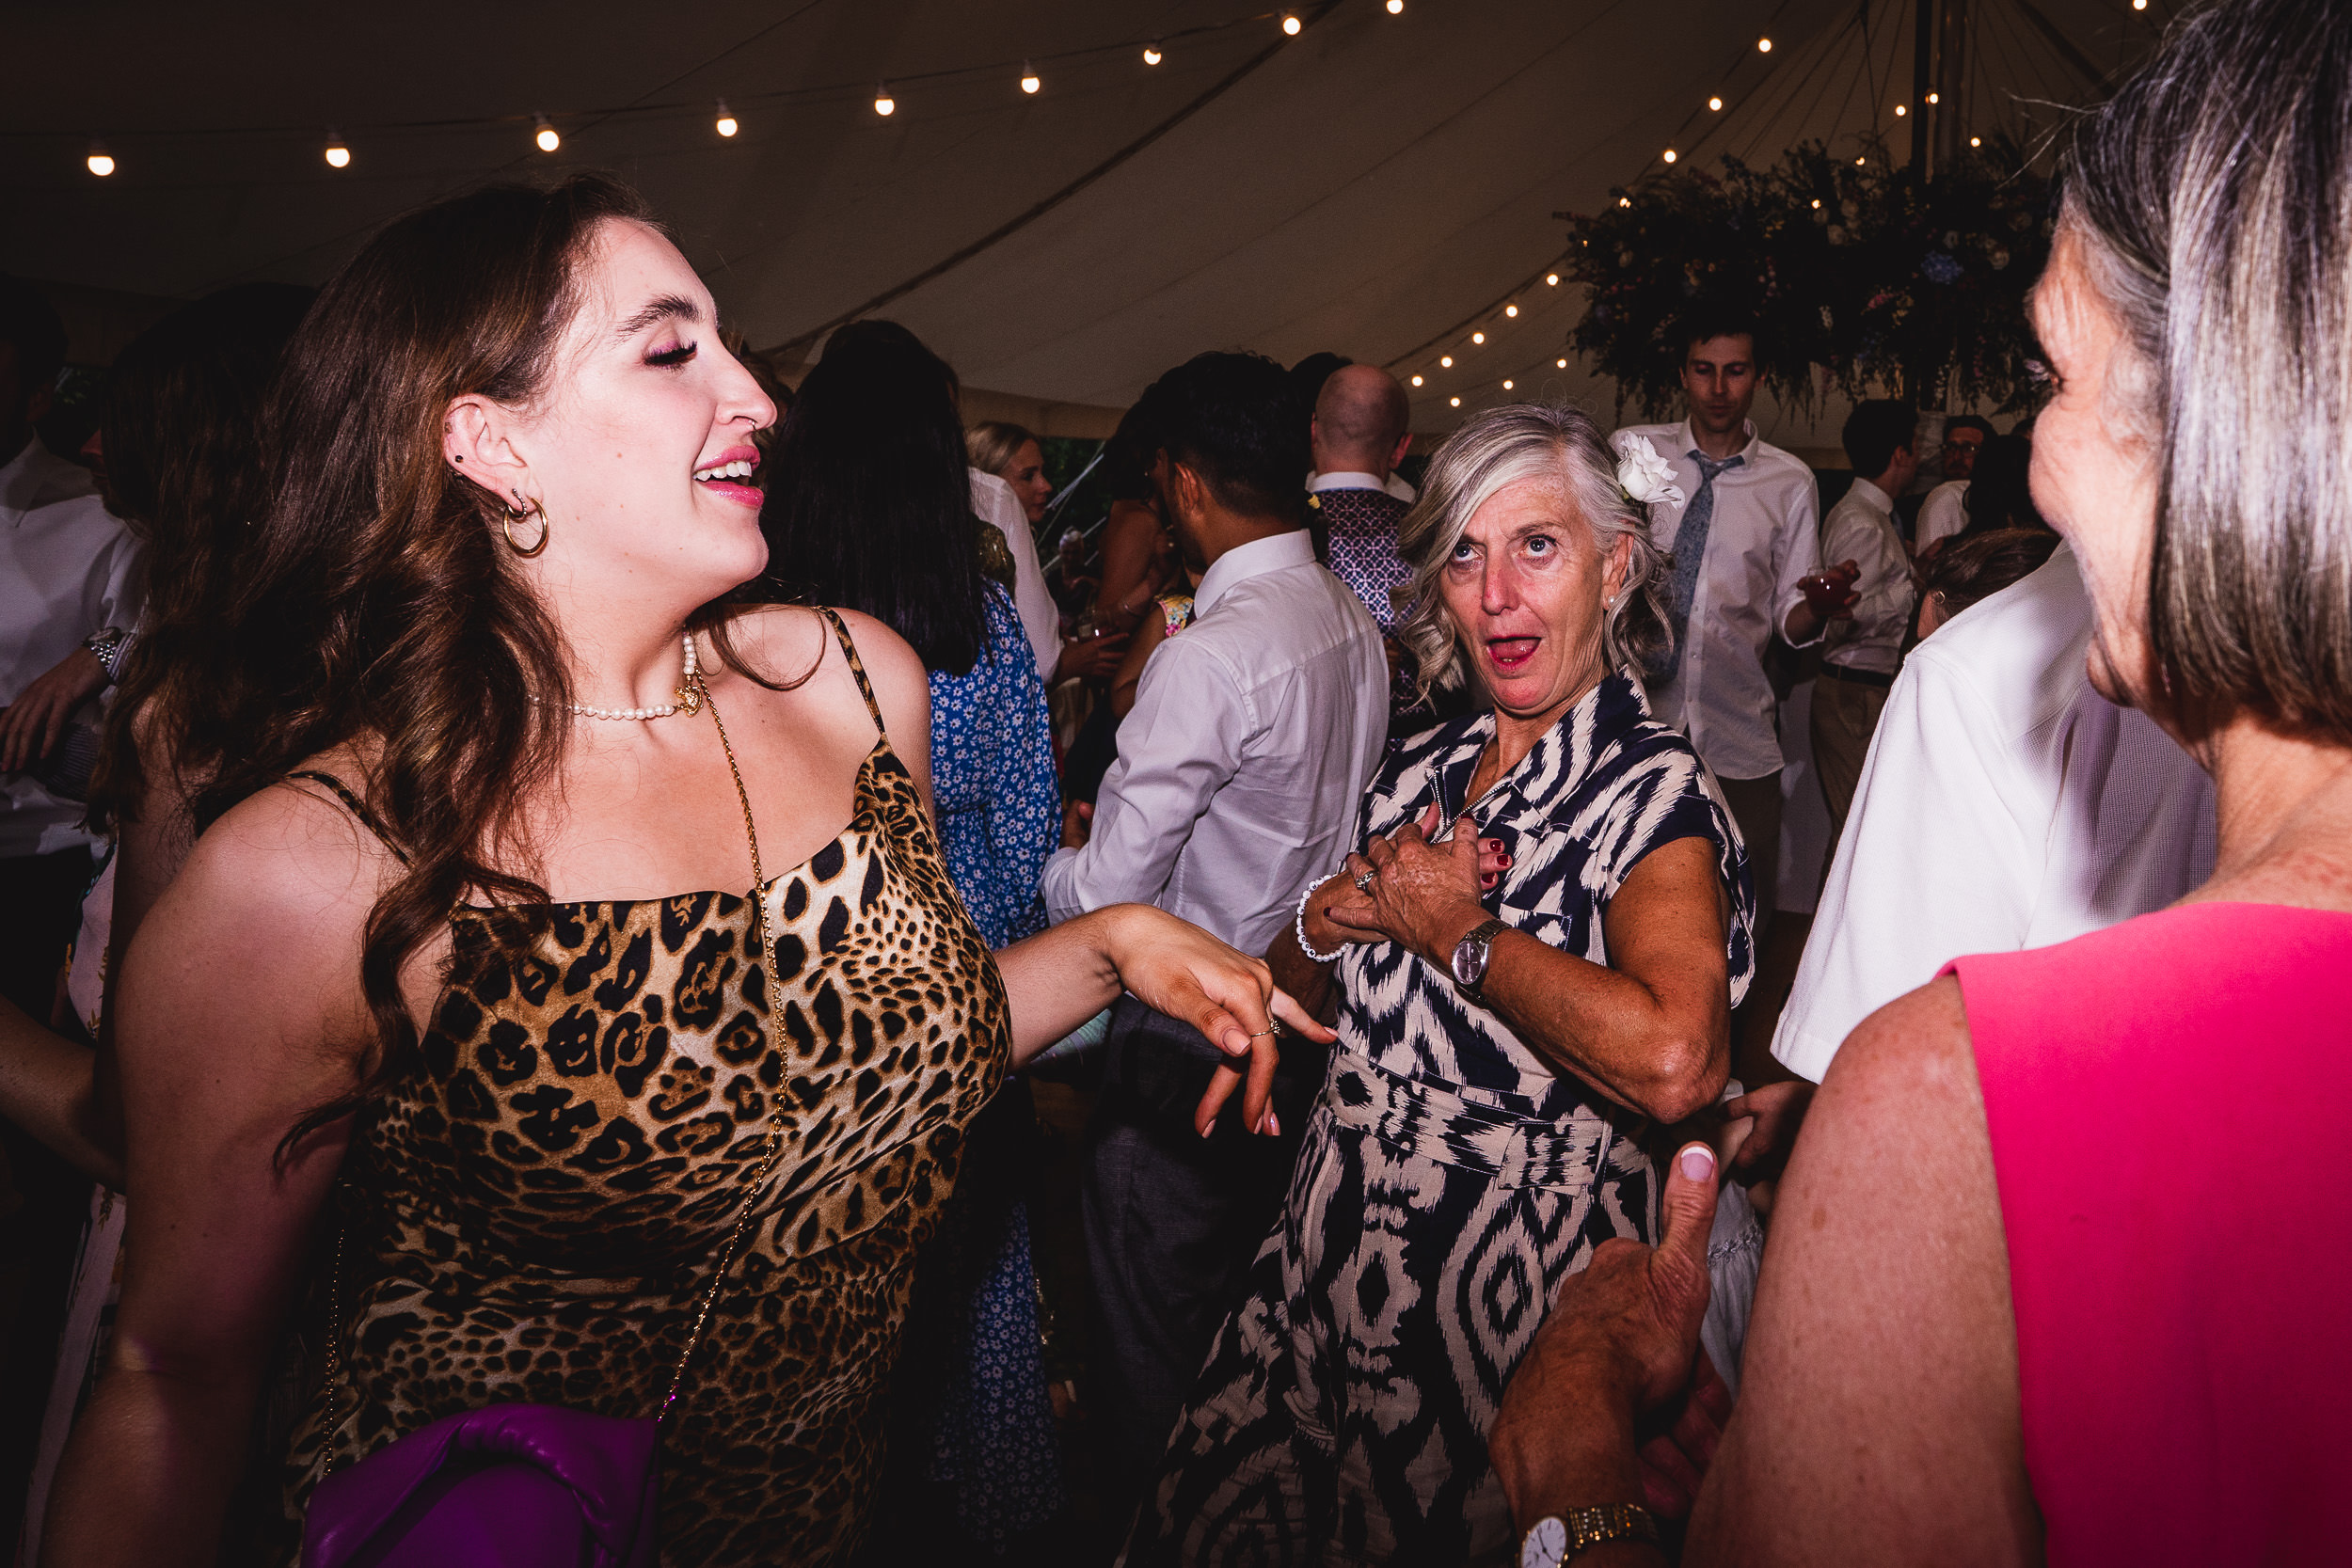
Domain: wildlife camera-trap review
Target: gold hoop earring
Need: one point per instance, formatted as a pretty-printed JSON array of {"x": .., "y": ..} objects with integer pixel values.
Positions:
[{"x": 514, "y": 515}]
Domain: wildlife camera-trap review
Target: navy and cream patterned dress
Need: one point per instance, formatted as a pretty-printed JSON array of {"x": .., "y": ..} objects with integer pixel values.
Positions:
[{"x": 1449, "y": 1180}]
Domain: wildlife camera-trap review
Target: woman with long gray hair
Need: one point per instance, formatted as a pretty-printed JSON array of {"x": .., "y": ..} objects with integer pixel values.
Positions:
[
  {"x": 2058, "y": 1274},
  {"x": 1507, "y": 1039}
]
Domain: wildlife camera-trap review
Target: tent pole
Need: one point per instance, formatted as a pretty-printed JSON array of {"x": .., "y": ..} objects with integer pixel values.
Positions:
[
  {"x": 1952, "y": 81},
  {"x": 1922, "y": 56}
]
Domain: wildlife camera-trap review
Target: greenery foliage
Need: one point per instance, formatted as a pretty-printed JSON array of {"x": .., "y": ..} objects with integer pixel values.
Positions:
[{"x": 1862, "y": 280}]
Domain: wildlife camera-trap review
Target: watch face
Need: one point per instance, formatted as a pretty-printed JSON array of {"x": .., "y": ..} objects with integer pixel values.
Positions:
[{"x": 1546, "y": 1545}]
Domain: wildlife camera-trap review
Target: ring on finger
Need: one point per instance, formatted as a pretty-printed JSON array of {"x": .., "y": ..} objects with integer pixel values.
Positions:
[{"x": 1365, "y": 877}]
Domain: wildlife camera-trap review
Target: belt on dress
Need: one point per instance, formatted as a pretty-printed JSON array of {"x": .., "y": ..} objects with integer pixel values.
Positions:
[
  {"x": 1856, "y": 677},
  {"x": 1437, "y": 1124}
]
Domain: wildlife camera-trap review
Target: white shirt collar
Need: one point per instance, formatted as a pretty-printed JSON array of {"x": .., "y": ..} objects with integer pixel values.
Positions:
[
  {"x": 1690, "y": 440},
  {"x": 1293, "y": 548},
  {"x": 1871, "y": 496}
]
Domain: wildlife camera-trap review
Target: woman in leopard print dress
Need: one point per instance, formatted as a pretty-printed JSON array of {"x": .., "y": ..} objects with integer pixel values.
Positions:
[{"x": 435, "y": 1031}]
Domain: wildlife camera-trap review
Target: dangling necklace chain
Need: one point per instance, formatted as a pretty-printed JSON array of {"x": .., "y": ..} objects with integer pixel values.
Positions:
[{"x": 689, "y": 694}]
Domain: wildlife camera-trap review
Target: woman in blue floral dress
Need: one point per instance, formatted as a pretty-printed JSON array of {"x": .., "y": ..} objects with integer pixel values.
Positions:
[{"x": 869, "y": 506}]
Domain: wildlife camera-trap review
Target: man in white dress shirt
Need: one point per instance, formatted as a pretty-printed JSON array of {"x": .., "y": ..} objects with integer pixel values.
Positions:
[
  {"x": 69, "y": 575},
  {"x": 1744, "y": 541},
  {"x": 2005, "y": 804},
  {"x": 1945, "y": 512},
  {"x": 1255, "y": 731},
  {"x": 1861, "y": 654}
]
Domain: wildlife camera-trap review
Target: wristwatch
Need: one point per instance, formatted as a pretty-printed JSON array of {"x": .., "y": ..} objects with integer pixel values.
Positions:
[
  {"x": 1471, "y": 953},
  {"x": 106, "y": 647},
  {"x": 1553, "y": 1541}
]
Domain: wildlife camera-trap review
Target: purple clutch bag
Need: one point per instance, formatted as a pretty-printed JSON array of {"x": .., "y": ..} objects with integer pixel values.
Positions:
[{"x": 506, "y": 1486}]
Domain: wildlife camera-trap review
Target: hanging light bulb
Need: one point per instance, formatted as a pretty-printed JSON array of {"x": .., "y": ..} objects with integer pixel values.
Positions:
[
  {"x": 1506, "y": 385},
  {"x": 726, "y": 125},
  {"x": 1030, "y": 81},
  {"x": 1445, "y": 361},
  {"x": 100, "y": 162},
  {"x": 1562, "y": 363},
  {"x": 1976, "y": 141},
  {"x": 1396, "y": 7},
  {"x": 1763, "y": 47},
  {"x": 1291, "y": 24},
  {"x": 1478, "y": 336},
  {"x": 1454, "y": 403},
  {"x": 1901, "y": 111},
  {"x": 1152, "y": 52},
  {"x": 1551, "y": 279},
  {"x": 1935, "y": 97},
  {"x": 884, "y": 104},
  {"x": 1510, "y": 310},
  {"x": 338, "y": 156},
  {"x": 1670, "y": 154},
  {"x": 2139, "y": 4},
  {"x": 547, "y": 138},
  {"x": 1415, "y": 381},
  {"x": 1716, "y": 105}
]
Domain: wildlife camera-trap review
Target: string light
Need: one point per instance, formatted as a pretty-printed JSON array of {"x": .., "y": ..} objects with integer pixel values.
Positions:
[
  {"x": 547, "y": 138},
  {"x": 1817, "y": 203},
  {"x": 1415, "y": 381},
  {"x": 884, "y": 104},
  {"x": 1506, "y": 386},
  {"x": 1510, "y": 310},
  {"x": 1152, "y": 54},
  {"x": 1453, "y": 403},
  {"x": 1478, "y": 336},
  {"x": 1935, "y": 97},
  {"x": 1551, "y": 279},
  {"x": 338, "y": 156},
  {"x": 100, "y": 162},
  {"x": 1291, "y": 22},
  {"x": 1763, "y": 47},
  {"x": 1670, "y": 154},
  {"x": 1030, "y": 80},
  {"x": 1716, "y": 105},
  {"x": 1625, "y": 202},
  {"x": 1396, "y": 7},
  {"x": 1976, "y": 141},
  {"x": 2139, "y": 4},
  {"x": 1857, "y": 163},
  {"x": 1562, "y": 363},
  {"x": 1901, "y": 111},
  {"x": 727, "y": 122},
  {"x": 1445, "y": 361}
]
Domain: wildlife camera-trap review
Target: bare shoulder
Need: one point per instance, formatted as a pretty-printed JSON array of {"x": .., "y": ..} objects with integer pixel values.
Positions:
[
  {"x": 292, "y": 852},
  {"x": 1878, "y": 1418}
]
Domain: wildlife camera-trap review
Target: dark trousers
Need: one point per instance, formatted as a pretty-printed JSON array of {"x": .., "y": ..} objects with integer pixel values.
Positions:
[
  {"x": 1172, "y": 1220},
  {"x": 1756, "y": 807},
  {"x": 43, "y": 1199}
]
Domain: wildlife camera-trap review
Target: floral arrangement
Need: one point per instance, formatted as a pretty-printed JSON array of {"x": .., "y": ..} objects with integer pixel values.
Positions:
[{"x": 1862, "y": 280}]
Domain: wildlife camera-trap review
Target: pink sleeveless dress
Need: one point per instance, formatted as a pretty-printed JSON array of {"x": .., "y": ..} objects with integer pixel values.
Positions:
[{"x": 2172, "y": 1131}]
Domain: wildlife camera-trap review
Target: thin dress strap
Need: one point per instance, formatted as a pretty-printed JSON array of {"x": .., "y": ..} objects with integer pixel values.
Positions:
[
  {"x": 368, "y": 819},
  {"x": 849, "y": 651}
]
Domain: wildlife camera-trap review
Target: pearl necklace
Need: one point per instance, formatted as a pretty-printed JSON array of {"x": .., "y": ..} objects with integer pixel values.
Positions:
[{"x": 690, "y": 696}]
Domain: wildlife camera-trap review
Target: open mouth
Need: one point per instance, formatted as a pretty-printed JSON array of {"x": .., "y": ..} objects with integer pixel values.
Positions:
[
  {"x": 1511, "y": 655},
  {"x": 730, "y": 478}
]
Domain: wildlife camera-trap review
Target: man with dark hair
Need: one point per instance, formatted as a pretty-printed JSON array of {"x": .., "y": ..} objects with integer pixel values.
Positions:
[
  {"x": 1744, "y": 547},
  {"x": 1861, "y": 651},
  {"x": 1945, "y": 512},
  {"x": 68, "y": 591},
  {"x": 1254, "y": 734}
]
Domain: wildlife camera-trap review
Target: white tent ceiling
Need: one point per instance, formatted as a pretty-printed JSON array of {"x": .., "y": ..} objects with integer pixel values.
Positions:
[{"x": 1377, "y": 185}]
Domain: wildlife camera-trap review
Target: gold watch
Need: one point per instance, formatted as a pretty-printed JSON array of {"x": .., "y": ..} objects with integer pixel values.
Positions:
[{"x": 1556, "y": 1540}]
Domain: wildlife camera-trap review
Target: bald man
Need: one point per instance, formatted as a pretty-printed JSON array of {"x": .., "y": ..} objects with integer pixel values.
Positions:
[{"x": 1358, "y": 437}]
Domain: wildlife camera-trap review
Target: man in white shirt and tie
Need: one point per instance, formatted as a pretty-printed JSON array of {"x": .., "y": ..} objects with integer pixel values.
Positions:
[
  {"x": 1255, "y": 731},
  {"x": 1746, "y": 544},
  {"x": 1861, "y": 651}
]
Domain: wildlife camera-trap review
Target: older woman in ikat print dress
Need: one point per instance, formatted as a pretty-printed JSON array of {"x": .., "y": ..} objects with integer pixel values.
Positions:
[{"x": 1505, "y": 1041}]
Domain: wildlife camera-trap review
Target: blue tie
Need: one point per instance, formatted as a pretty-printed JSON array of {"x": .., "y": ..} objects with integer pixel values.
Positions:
[{"x": 1690, "y": 548}]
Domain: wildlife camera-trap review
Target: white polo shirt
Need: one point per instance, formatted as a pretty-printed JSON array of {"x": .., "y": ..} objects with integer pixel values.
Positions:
[
  {"x": 2004, "y": 805},
  {"x": 1765, "y": 534}
]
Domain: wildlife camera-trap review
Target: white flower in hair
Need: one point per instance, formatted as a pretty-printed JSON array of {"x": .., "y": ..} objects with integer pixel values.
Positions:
[{"x": 1645, "y": 476}]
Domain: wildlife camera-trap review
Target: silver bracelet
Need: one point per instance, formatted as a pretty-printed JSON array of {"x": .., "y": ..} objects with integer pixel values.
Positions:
[{"x": 1299, "y": 927}]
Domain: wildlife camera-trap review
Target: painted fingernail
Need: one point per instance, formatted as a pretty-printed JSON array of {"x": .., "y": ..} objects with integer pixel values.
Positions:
[
  {"x": 1505, "y": 860},
  {"x": 1273, "y": 1123},
  {"x": 1698, "y": 1161}
]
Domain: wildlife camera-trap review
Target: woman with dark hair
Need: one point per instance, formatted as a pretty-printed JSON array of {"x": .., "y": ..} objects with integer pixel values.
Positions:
[
  {"x": 1977, "y": 567},
  {"x": 2058, "y": 1272},
  {"x": 491, "y": 720},
  {"x": 1998, "y": 495},
  {"x": 874, "y": 437}
]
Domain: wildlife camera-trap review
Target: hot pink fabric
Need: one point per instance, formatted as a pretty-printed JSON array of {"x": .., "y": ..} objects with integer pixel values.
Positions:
[{"x": 2172, "y": 1133}]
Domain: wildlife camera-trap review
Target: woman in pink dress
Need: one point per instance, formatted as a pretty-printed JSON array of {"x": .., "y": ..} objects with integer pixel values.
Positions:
[{"x": 2057, "y": 1270}]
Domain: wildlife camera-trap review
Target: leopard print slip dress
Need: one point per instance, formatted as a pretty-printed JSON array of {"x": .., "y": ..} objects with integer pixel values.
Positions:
[{"x": 533, "y": 1215}]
